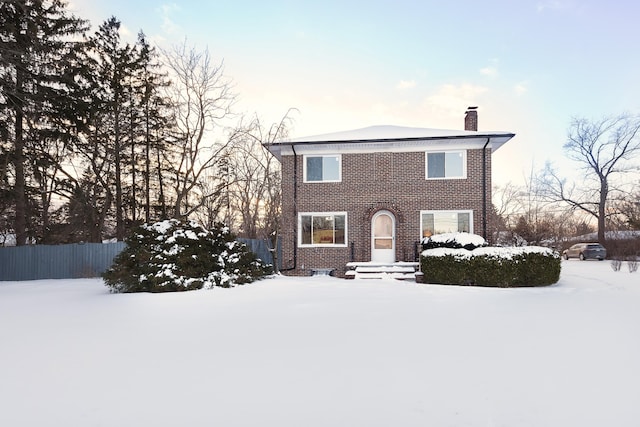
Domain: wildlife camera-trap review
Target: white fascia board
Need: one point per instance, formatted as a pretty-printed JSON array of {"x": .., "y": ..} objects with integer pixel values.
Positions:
[{"x": 389, "y": 146}]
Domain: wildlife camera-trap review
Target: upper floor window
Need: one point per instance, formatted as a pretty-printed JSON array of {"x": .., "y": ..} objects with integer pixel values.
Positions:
[
  {"x": 439, "y": 222},
  {"x": 446, "y": 164},
  {"x": 322, "y": 229},
  {"x": 323, "y": 168}
]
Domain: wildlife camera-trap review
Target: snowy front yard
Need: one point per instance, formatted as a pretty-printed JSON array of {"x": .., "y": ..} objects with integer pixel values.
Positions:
[{"x": 324, "y": 352}]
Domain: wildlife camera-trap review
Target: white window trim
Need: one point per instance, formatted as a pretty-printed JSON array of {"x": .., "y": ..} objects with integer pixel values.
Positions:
[
  {"x": 464, "y": 164},
  {"x": 304, "y": 168},
  {"x": 317, "y": 245},
  {"x": 445, "y": 211}
]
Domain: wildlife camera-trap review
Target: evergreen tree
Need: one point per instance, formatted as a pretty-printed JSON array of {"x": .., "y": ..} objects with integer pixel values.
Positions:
[
  {"x": 154, "y": 122},
  {"x": 175, "y": 255},
  {"x": 111, "y": 128},
  {"x": 125, "y": 123},
  {"x": 38, "y": 51}
]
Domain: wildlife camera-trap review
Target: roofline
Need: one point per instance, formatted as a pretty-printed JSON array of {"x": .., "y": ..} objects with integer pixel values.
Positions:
[{"x": 423, "y": 138}]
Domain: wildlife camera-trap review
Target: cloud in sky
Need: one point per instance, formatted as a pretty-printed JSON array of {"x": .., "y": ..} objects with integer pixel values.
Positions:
[
  {"x": 452, "y": 100},
  {"x": 73, "y": 6},
  {"x": 552, "y": 5},
  {"x": 125, "y": 32},
  {"x": 406, "y": 84},
  {"x": 166, "y": 11},
  {"x": 489, "y": 71},
  {"x": 521, "y": 88}
]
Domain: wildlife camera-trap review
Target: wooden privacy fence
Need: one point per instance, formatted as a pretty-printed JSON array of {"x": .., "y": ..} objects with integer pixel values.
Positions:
[{"x": 35, "y": 262}]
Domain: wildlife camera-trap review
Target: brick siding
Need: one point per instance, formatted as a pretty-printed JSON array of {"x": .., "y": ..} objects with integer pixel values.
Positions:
[{"x": 372, "y": 182}]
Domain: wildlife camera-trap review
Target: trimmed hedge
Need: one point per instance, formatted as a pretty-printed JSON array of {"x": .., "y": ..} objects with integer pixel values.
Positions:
[
  {"x": 461, "y": 240},
  {"x": 492, "y": 267}
]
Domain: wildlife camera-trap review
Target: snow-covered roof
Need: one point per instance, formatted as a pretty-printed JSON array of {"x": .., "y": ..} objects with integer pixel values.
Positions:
[
  {"x": 374, "y": 133},
  {"x": 390, "y": 138}
]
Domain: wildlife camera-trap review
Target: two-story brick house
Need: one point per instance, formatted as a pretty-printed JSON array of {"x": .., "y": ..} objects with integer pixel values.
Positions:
[{"x": 371, "y": 194}]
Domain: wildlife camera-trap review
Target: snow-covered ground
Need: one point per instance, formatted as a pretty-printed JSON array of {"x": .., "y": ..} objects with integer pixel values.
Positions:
[{"x": 324, "y": 352}]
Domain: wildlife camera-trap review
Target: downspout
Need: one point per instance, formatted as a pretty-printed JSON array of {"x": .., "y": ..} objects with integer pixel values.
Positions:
[
  {"x": 295, "y": 210},
  {"x": 484, "y": 189}
]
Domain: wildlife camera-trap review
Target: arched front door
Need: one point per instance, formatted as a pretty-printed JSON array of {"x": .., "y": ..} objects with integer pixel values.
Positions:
[{"x": 383, "y": 237}]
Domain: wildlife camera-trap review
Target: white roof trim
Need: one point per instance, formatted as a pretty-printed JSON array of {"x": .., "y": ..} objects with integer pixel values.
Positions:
[{"x": 390, "y": 139}]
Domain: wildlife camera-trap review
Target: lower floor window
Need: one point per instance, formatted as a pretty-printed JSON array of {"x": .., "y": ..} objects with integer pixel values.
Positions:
[
  {"x": 323, "y": 229},
  {"x": 439, "y": 222}
]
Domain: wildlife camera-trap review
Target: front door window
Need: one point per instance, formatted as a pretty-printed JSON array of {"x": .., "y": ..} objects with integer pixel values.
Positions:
[{"x": 383, "y": 237}]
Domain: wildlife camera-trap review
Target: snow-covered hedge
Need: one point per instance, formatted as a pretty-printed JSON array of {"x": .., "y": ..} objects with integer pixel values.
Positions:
[
  {"x": 491, "y": 266},
  {"x": 454, "y": 241},
  {"x": 177, "y": 256}
]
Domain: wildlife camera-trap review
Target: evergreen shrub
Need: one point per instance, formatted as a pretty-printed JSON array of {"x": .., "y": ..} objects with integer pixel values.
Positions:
[
  {"x": 493, "y": 267},
  {"x": 177, "y": 255},
  {"x": 468, "y": 241}
]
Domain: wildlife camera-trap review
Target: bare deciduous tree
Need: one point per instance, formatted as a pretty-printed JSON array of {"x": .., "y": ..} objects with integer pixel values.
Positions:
[
  {"x": 202, "y": 97},
  {"x": 254, "y": 176},
  {"x": 524, "y": 212},
  {"x": 628, "y": 209},
  {"x": 604, "y": 149}
]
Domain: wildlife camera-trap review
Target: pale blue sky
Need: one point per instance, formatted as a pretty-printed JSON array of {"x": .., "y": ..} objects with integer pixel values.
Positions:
[{"x": 530, "y": 66}]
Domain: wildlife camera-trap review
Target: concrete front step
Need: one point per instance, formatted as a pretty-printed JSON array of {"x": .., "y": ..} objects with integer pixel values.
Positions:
[
  {"x": 398, "y": 276},
  {"x": 371, "y": 270},
  {"x": 353, "y": 265},
  {"x": 385, "y": 269}
]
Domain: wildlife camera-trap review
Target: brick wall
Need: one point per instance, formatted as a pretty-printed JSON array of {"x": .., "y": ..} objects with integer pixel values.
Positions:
[{"x": 372, "y": 182}]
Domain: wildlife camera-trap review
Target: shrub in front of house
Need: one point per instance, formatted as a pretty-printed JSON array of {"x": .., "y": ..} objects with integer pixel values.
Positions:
[
  {"x": 460, "y": 240},
  {"x": 525, "y": 266},
  {"x": 177, "y": 255}
]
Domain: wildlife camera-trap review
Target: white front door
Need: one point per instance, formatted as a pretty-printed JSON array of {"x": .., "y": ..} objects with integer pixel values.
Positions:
[{"x": 383, "y": 237}]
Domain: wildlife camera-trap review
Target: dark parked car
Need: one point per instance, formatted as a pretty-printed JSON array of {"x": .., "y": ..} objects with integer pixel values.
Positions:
[{"x": 585, "y": 251}]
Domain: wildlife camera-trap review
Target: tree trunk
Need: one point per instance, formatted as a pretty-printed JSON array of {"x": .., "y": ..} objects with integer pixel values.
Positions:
[
  {"x": 118, "y": 168},
  {"x": 46, "y": 233},
  {"x": 133, "y": 167},
  {"x": 602, "y": 209},
  {"x": 147, "y": 165},
  {"x": 163, "y": 205},
  {"x": 20, "y": 223}
]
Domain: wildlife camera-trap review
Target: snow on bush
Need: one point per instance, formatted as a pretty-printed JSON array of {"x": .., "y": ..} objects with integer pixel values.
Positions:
[
  {"x": 453, "y": 240},
  {"x": 176, "y": 256},
  {"x": 464, "y": 259},
  {"x": 496, "y": 252}
]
